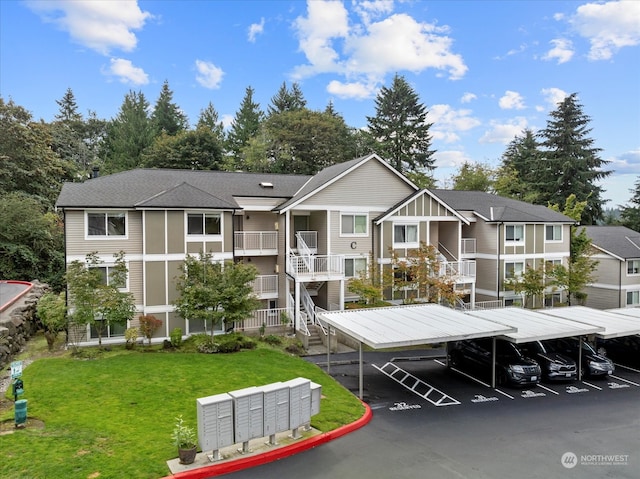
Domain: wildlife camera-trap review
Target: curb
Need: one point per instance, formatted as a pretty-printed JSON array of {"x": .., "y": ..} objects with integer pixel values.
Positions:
[{"x": 276, "y": 454}]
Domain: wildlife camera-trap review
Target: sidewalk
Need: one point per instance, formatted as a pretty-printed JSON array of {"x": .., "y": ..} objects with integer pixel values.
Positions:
[{"x": 260, "y": 453}]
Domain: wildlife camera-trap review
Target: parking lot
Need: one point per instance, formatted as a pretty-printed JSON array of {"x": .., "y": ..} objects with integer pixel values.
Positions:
[{"x": 429, "y": 421}]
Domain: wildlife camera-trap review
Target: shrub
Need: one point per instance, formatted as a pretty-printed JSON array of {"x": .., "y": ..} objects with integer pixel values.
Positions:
[
  {"x": 273, "y": 340},
  {"x": 224, "y": 343},
  {"x": 296, "y": 348},
  {"x": 149, "y": 324},
  {"x": 131, "y": 337},
  {"x": 176, "y": 337}
]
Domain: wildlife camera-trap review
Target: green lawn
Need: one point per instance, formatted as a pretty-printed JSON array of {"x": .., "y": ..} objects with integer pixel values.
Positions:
[{"x": 112, "y": 417}]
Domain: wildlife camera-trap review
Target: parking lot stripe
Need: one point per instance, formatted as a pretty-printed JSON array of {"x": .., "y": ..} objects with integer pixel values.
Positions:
[
  {"x": 625, "y": 380},
  {"x": 547, "y": 389},
  {"x": 592, "y": 385},
  {"x": 470, "y": 377},
  {"x": 627, "y": 367},
  {"x": 504, "y": 394}
]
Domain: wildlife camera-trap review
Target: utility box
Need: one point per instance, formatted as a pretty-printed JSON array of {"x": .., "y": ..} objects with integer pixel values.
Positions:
[
  {"x": 299, "y": 402},
  {"x": 316, "y": 396},
  {"x": 215, "y": 422},
  {"x": 276, "y": 408},
  {"x": 249, "y": 413}
]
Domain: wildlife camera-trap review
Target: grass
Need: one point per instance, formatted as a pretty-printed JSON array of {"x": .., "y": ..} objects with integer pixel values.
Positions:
[{"x": 112, "y": 417}]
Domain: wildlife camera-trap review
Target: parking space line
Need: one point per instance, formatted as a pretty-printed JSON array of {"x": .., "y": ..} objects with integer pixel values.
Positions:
[
  {"x": 504, "y": 393},
  {"x": 548, "y": 389},
  {"x": 439, "y": 362},
  {"x": 470, "y": 377},
  {"x": 627, "y": 367},
  {"x": 592, "y": 385},
  {"x": 625, "y": 380},
  {"x": 443, "y": 400}
]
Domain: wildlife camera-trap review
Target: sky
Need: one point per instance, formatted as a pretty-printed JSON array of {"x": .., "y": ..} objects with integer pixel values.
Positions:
[{"x": 485, "y": 70}]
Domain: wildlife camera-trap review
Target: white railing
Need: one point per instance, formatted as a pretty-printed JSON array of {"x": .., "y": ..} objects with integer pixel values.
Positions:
[
  {"x": 307, "y": 303},
  {"x": 494, "y": 304},
  {"x": 268, "y": 317},
  {"x": 307, "y": 239},
  {"x": 256, "y": 240},
  {"x": 265, "y": 284},
  {"x": 468, "y": 246},
  {"x": 458, "y": 268},
  {"x": 328, "y": 264}
]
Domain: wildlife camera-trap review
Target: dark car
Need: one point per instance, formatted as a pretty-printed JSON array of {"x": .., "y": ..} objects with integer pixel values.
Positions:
[
  {"x": 512, "y": 367},
  {"x": 555, "y": 366},
  {"x": 624, "y": 350},
  {"x": 593, "y": 364}
]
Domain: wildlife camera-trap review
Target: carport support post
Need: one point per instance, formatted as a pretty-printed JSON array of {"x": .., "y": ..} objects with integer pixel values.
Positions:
[
  {"x": 360, "y": 378},
  {"x": 493, "y": 362},
  {"x": 580, "y": 359},
  {"x": 328, "y": 349}
]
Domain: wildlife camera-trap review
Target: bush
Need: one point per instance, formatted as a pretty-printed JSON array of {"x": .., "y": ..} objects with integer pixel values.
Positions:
[
  {"x": 296, "y": 348},
  {"x": 176, "y": 337},
  {"x": 149, "y": 324},
  {"x": 131, "y": 337},
  {"x": 224, "y": 343},
  {"x": 273, "y": 340}
]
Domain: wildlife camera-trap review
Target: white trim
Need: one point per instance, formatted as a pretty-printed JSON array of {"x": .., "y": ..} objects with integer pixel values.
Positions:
[
  {"x": 554, "y": 240},
  {"x": 414, "y": 196},
  {"x": 106, "y": 237},
  {"x": 354, "y": 234}
]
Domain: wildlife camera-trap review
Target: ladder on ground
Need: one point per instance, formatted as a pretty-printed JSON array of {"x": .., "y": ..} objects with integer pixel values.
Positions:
[{"x": 417, "y": 386}]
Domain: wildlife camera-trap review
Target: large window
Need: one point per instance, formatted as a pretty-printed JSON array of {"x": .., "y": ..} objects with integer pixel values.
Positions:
[
  {"x": 106, "y": 224},
  {"x": 203, "y": 224},
  {"x": 353, "y": 224},
  {"x": 514, "y": 233},
  {"x": 105, "y": 274},
  {"x": 633, "y": 266},
  {"x": 633, "y": 298},
  {"x": 513, "y": 270},
  {"x": 553, "y": 233},
  {"x": 354, "y": 267},
  {"x": 405, "y": 234}
]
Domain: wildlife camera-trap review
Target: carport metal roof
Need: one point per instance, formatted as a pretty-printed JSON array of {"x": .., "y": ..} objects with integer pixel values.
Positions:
[
  {"x": 615, "y": 324},
  {"x": 401, "y": 326},
  {"x": 627, "y": 312},
  {"x": 535, "y": 326}
]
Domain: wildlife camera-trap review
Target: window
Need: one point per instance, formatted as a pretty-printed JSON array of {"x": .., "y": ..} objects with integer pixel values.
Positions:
[
  {"x": 353, "y": 225},
  {"x": 553, "y": 233},
  {"x": 105, "y": 274},
  {"x": 633, "y": 266},
  {"x": 112, "y": 330},
  {"x": 106, "y": 224},
  {"x": 633, "y": 298},
  {"x": 403, "y": 234},
  {"x": 354, "y": 267},
  {"x": 513, "y": 270},
  {"x": 203, "y": 224},
  {"x": 514, "y": 232}
]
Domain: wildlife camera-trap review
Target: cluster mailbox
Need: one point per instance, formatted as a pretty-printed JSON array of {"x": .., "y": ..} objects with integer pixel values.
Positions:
[{"x": 254, "y": 412}]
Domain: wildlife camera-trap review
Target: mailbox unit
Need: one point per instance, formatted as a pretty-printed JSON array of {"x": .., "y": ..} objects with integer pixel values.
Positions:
[
  {"x": 316, "y": 396},
  {"x": 276, "y": 408},
  {"x": 299, "y": 402},
  {"x": 249, "y": 413},
  {"x": 215, "y": 422}
]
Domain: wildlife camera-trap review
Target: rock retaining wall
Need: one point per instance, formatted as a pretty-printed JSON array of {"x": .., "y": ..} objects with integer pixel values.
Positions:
[{"x": 19, "y": 322}]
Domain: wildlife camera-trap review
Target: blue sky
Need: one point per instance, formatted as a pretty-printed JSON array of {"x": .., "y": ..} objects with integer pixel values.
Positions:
[{"x": 484, "y": 69}]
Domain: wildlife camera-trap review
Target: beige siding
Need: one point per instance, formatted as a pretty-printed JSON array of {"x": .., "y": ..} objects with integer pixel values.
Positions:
[
  {"x": 609, "y": 271},
  {"x": 154, "y": 232},
  {"x": 136, "y": 281},
  {"x": 356, "y": 188},
  {"x": 173, "y": 269},
  {"x": 156, "y": 283},
  {"x": 259, "y": 221},
  {"x": 77, "y": 245},
  {"x": 175, "y": 232},
  {"x": 604, "y": 298},
  {"x": 227, "y": 224}
]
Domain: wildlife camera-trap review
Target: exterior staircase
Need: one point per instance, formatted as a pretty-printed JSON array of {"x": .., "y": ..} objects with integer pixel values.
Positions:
[{"x": 314, "y": 336}]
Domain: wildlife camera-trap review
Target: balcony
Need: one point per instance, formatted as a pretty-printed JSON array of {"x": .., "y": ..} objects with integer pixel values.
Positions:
[
  {"x": 468, "y": 248},
  {"x": 459, "y": 270},
  {"x": 324, "y": 267},
  {"x": 266, "y": 286},
  {"x": 256, "y": 243},
  {"x": 306, "y": 242}
]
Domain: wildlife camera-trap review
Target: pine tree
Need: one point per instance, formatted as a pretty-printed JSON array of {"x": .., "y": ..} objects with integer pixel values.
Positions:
[
  {"x": 400, "y": 128},
  {"x": 517, "y": 176},
  {"x": 630, "y": 215},
  {"x": 167, "y": 116},
  {"x": 287, "y": 100},
  {"x": 246, "y": 125},
  {"x": 570, "y": 163},
  {"x": 210, "y": 120}
]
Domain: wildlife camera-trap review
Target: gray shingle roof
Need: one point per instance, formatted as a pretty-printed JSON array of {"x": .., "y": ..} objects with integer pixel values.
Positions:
[
  {"x": 496, "y": 208},
  {"x": 176, "y": 188},
  {"x": 618, "y": 240}
]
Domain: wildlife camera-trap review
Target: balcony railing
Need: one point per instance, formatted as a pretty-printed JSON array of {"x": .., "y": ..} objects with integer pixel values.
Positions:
[
  {"x": 317, "y": 266},
  {"x": 266, "y": 286},
  {"x": 268, "y": 318},
  {"x": 458, "y": 268},
  {"x": 468, "y": 246},
  {"x": 307, "y": 241},
  {"x": 256, "y": 242}
]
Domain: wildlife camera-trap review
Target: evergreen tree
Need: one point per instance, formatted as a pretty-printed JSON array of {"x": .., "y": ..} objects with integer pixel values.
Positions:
[
  {"x": 571, "y": 164},
  {"x": 630, "y": 215},
  {"x": 400, "y": 128},
  {"x": 167, "y": 116},
  {"x": 128, "y": 134},
  {"x": 67, "y": 134},
  {"x": 474, "y": 177},
  {"x": 287, "y": 100},
  {"x": 197, "y": 149},
  {"x": 517, "y": 176},
  {"x": 210, "y": 120},
  {"x": 245, "y": 126}
]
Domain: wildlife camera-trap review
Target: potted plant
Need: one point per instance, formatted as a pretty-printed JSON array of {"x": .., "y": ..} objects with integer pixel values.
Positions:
[{"x": 184, "y": 438}]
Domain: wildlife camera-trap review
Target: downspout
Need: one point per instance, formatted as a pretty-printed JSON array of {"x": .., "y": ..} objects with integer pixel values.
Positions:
[
  {"x": 620, "y": 287},
  {"x": 66, "y": 286}
]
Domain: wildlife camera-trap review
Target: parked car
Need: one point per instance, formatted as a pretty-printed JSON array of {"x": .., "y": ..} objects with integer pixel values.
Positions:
[
  {"x": 555, "y": 366},
  {"x": 512, "y": 367},
  {"x": 624, "y": 350},
  {"x": 593, "y": 364}
]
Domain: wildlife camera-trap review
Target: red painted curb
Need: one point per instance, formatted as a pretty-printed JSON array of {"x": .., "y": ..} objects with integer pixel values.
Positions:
[
  {"x": 15, "y": 298},
  {"x": 276, "y": 454}
]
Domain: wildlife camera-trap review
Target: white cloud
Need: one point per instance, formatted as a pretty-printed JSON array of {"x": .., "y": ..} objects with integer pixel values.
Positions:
[
  {"x": 562, "y": 51},
  {"x": 512, "y": 100},
  {"x": 127, "y": 72},
  {"x": 209, "y": 75},
  {"x": 367, "y": 51},
  {"x": 451, "y": 158},
  {"x": 608, "y": 26},
  {"x": 227, "y": 120},
  {"x": 468, "y": 97},
  {"x": 256, "y": 29},
  {"x": 626, "y": 163},
  {"x": 552, "y": 97},
  {"x": 356, "y": 90},
  {"x": 448, "y": 122},
  {"x": 504, "y": 132},
  {"x": 101, "y": 25}
]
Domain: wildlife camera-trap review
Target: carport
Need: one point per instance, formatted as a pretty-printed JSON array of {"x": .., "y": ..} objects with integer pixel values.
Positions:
[
  {"x": 536, "y": 326},
  {"x": 614, "y": 325},
  {"x": 402, "y": 326}
]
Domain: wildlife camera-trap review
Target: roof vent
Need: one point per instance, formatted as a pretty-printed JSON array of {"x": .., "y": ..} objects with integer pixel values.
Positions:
[{"x": 266, "y": 184}]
